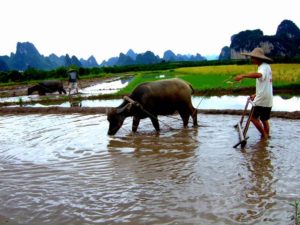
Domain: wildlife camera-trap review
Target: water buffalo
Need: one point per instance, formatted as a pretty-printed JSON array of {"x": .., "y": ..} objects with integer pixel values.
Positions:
[
  {"x": 162, "y": 97},
  {"x": 49, "y": 86}
]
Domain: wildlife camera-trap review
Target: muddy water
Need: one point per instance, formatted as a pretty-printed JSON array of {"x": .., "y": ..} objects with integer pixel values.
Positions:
[
  {"x": 212, "y": 102},
  {"x": 64, "y": 169}
]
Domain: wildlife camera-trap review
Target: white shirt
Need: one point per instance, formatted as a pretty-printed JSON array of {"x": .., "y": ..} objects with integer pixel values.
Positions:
[
  {"x": 264, "y": 87},
  {"x": 73, "y": 76}
]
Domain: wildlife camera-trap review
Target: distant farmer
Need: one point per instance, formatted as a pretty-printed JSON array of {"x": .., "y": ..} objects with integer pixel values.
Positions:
[
  {"x": 263, "y": 98},
  {"x": 73, "y": 80}
]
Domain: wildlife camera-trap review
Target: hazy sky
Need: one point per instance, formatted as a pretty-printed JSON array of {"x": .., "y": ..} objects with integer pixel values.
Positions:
[{"x": 104, "y": 28}]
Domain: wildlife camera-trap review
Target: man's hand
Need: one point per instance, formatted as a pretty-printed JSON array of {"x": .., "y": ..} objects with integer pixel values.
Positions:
[
  {"x": 252, "y": 97},
  {"x": 239, "y": 77}
]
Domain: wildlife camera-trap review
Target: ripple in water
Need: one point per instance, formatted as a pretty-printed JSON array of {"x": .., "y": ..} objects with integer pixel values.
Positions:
[{"x": 64, "y": 169}]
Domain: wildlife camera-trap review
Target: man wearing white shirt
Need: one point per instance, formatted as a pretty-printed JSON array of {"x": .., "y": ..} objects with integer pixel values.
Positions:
[
  {"x": 263, "y": 97},
  {"x": 73, "y": 79}
]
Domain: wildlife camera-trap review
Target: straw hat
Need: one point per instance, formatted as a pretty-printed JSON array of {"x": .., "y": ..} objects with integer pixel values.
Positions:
[
  {"x": 71, "y": 70},
  {"x": 257, "y": 53}
]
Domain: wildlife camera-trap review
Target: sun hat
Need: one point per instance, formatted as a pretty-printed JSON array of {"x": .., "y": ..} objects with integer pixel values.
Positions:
[
  {"x": 71, "y": 70},
  {"x": 257, "y": 53}
]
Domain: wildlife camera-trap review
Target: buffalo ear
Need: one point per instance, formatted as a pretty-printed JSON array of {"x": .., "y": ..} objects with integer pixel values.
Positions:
[{"x": 127, "y": 107}]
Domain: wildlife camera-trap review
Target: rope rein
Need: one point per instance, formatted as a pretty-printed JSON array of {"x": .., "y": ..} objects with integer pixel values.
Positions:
[
  {"x": 236, "y": 84},
  {"x": 144, "y": 110},
  {"x": 155, "y": 117}
]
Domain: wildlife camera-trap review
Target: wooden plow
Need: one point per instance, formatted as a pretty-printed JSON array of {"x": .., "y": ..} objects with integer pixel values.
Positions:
[{"x": 242, "y": 130}]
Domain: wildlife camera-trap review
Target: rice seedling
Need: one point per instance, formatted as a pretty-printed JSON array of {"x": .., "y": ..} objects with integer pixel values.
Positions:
[
  {"x": 296, "y": 215},
  {"x": 21, "y": 102}
]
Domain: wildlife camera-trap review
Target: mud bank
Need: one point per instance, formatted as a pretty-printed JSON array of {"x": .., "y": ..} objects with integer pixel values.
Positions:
[
  {"x": 103, "y": 110},
  {"x": 53, "y": 110}
]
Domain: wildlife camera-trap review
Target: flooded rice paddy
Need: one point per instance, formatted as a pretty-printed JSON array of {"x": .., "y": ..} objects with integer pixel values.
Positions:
[
  {"x": 64, "y": 169},
  {"x": 212, "y": 102},
  {"x": 105, "y": 87},
  {"x": 287, "y": 104}
]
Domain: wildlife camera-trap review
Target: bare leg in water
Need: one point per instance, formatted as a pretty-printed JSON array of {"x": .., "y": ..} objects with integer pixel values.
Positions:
[
  {"x": 266, "y": 127},
  {"x": 263, "y": 128}
]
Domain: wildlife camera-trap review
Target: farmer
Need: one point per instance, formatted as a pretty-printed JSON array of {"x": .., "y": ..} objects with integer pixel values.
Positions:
[
  {"x": 263, "y": 98},
  {"x": 73, "y": 80}
]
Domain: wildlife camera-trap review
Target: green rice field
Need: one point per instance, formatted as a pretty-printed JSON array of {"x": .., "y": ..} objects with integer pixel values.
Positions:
[{"x": 220, "y": 77}]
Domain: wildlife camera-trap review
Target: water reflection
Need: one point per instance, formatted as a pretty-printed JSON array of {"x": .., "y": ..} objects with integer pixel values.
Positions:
[
  {"x": 238, "y": 102},
  {"x": 258, "y": 183},
  {"x": 64, "y": 169},
  {"x": 169, "y": 140},
  {"x": 155, "y": 162},
  {"x": 107, "y": 87},
  {"x": 212, "y": 102},
  {"x": 75, "y": 103}
]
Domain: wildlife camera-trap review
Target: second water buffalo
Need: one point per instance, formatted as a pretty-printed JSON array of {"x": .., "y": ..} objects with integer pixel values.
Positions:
[
  {"x": 48, "y": 86},
  {"x": 151, "y": 99}
]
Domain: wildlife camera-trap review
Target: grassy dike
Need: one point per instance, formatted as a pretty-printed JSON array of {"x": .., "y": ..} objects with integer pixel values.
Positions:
[{"x": 218, "y": 79}]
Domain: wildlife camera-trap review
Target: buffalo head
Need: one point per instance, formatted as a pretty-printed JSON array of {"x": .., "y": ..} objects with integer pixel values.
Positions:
[
  {"x": 30, "y": 90},
  {"x": 116, "y": 117}
]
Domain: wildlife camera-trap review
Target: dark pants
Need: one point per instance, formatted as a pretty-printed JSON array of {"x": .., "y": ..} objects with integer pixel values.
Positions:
[{"x": 262, "y": 113}]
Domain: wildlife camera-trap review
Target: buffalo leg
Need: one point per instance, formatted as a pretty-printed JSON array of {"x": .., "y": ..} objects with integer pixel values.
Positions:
[
  {"x": 41, "y": 92},
  {"x": 194, "y": 116},
  {"x": 185, "y": 117},
  {"x": 155, "y": 123},
  {"x": 135, "y": 123},
  {"x": 61, "y": 90}
]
